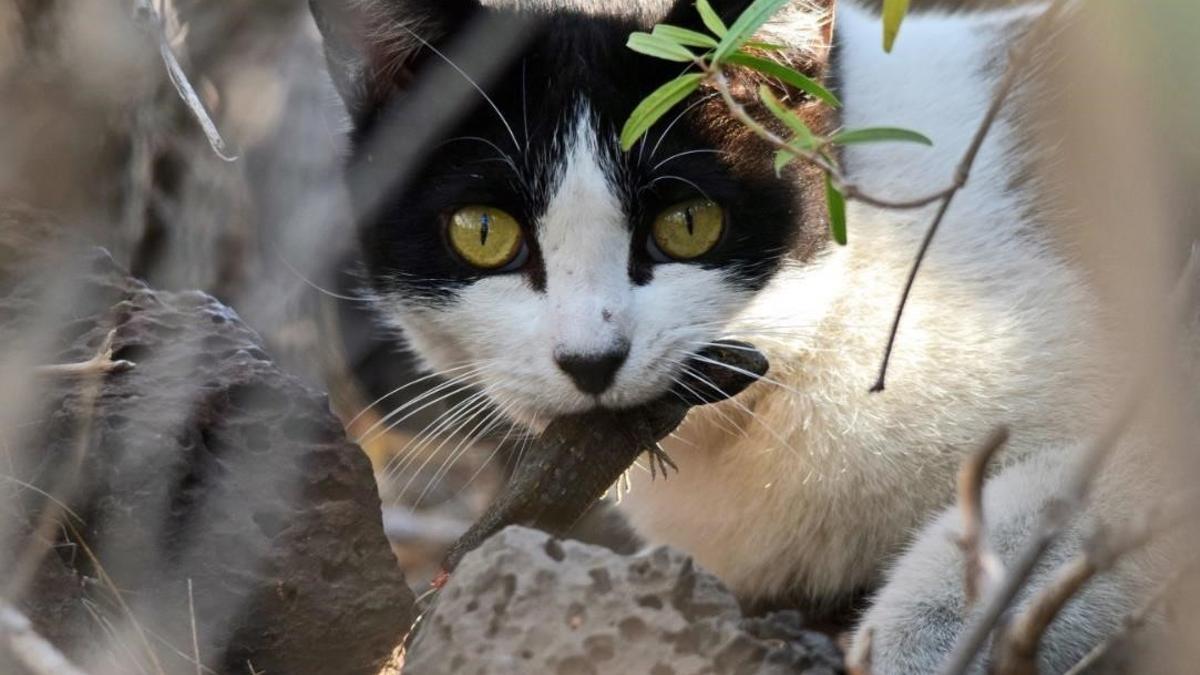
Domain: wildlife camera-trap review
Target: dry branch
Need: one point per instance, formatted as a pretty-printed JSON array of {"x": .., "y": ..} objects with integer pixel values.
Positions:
[
  {"x": 1055, "y": 517},
  {"x": 983, "y": 568},
  {"x": 100, "y": 364},
  {"x": 149, "y": 17},
  {"x": 1017, "y": 646},
  {"x": 1058, "y": 513}
]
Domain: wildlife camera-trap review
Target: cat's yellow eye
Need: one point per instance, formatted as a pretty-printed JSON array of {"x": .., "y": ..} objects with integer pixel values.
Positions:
[
  {"x": 689, "y": 229},
  {"x": 485, "y": 237}
]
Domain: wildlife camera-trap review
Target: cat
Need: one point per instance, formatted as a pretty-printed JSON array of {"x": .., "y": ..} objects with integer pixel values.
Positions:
[{"x": 521, "y": 252}]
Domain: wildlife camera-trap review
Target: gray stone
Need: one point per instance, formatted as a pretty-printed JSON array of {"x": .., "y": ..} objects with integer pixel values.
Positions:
[
  {"x": 205, "y": 464},
  {"x": 524, "y": 602}
]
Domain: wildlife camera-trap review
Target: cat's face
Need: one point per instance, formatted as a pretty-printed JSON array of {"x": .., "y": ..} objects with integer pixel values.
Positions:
[{"x": 524, "y": 249}]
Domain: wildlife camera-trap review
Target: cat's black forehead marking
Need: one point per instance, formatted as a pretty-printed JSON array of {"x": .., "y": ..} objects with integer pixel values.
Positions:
[{"x": 574, "y": 63}]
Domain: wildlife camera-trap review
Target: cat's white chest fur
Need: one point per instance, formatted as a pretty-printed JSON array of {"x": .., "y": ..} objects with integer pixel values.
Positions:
[{"x": 811, "y": 483}]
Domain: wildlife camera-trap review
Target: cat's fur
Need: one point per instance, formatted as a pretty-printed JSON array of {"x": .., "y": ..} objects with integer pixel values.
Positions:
[{"x": 808, "y": 486}]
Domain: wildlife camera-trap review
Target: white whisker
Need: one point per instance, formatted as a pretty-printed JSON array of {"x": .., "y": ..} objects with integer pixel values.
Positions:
[{"x": 473, "y": 83}]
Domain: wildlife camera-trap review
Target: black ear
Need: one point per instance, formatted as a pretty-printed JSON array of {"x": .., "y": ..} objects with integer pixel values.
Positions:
[{"x": 373, "y": 46}]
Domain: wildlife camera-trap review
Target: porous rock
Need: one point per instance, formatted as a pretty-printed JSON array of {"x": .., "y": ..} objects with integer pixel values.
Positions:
[
  {"x": 205, "y": 465},
  {"x": 524, "y": 602}
]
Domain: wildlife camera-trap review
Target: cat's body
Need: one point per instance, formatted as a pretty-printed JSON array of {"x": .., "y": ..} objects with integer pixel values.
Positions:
[{"x": 808, "y": 486}]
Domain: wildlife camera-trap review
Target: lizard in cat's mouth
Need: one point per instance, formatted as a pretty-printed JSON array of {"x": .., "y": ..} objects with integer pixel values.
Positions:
[{"x": 579, "y": 456}]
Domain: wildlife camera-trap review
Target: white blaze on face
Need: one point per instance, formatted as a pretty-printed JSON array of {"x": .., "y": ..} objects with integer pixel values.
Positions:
[{"x": 585, "y": 242}]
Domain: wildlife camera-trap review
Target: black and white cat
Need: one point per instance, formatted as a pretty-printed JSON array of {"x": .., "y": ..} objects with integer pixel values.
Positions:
[{"x": 523, "y": 253}]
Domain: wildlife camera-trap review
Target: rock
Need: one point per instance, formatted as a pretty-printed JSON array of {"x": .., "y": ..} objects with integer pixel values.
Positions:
[
  {"x": 203, "y": 465},
  {"x": 524, "y": 602}
]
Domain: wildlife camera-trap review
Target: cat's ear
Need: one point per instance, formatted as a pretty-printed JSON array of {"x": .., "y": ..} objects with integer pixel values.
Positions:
[
  {"x": 802, "y": 30},
  {"x": 373, "y": 46}
]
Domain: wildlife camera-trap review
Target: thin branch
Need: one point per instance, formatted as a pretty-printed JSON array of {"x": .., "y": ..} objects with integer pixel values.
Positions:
[
  {"x": 1017, "y": 646},
  {"x": 1018, "y": 63},
  {"x": 148, "y": 16},
  {"x": 1055, "y": 517},
  {"x": 100, "y": 364},
  {"x": 982, "y": 568},
  {"x": 30, "y": 649}
]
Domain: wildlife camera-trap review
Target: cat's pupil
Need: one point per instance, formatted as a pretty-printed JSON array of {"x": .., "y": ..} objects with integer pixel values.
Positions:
[
  {"x": 484, "y": 223},
  {"x": 691, "y": 221}
]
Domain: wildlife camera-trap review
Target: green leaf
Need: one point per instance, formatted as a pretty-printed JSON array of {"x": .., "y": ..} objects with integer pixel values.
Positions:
[
  {"x": 804, "y": 135},
  {"x": 684, "y": 36},
  {"x": 782, "y": 159},
  {"x": 765, "y": 46},
  {"x": 836, "y": 203},
  {"x": 746, "y": 25},
  {"x": 656, "y": 105},
  {"x": 879, "y": 135},
  {"x": 787, "y": 75},
  {"x": 659, "y": 47},
  {"x": 711, "y": 19},
  {"x": 893, "y": 16}
]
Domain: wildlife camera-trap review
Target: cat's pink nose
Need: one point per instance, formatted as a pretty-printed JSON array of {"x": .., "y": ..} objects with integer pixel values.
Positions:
[{"x": 593, "y": 373}]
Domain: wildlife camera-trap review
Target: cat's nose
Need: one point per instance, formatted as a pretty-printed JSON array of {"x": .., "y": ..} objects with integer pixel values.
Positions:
[{"x": 595, "y": 372}]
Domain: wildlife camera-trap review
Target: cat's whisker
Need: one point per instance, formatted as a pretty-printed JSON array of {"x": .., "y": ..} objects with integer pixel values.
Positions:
[
  {"x": 488, "y": 423},
  {"x": 749, "y": 413},
  {"x": 681, "y": 179},
  {"x": 685, "y": 154},
  {"x": 743, "y": 371},
  {"x": 735, "y": 431},
  {"x": 502, "y": 156},
  {"x": 456, "y": 385},
  {"x": 431, "y": 431},
  {"x": 397, "y": 390},
  {"x": 667, "y": 130},
  {"x": 484, "y": 427},
  {"x": 492, "y": 455},
  {"x": 525, "y": 101},
  {"x": 460, "y": 420},
  {"x": 469, "y": 79},
  {"x": 402, "y": 457}
]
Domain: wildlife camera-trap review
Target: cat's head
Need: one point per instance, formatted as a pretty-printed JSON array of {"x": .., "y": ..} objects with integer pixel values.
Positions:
[{"x": 507, "y": 233}]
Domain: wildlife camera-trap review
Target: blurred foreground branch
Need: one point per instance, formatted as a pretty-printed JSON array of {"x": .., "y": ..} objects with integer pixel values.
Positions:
[
  {"x": 1017, "y": 646},
  {"x": 31, "y": 650},
  {"x": 149, "y": 17}
]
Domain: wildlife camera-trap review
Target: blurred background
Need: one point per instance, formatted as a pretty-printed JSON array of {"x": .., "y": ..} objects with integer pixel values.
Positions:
[{"x": 98, "y": 145}]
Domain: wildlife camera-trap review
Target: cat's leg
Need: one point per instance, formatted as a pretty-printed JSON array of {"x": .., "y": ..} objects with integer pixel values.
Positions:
[{"x": 920, "y": 612}]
